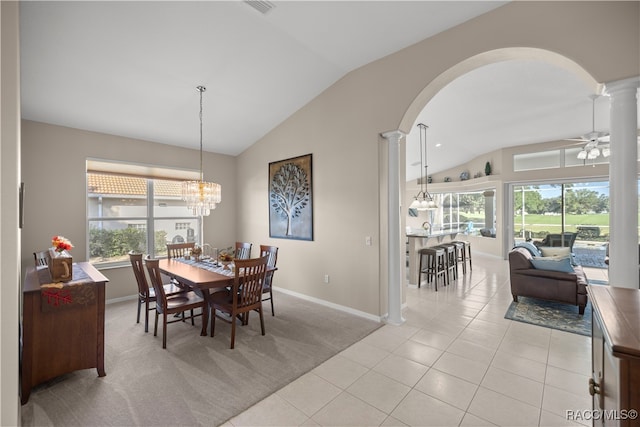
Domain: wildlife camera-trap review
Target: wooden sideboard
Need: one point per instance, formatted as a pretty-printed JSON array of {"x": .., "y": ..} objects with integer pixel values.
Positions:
[
  {"x": 615, "y": 381},
  {"x": 62, "y": 328}
]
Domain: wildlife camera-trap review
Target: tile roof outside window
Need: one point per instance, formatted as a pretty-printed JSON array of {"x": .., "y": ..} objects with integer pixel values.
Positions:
[{"x": 116, "y": 184}]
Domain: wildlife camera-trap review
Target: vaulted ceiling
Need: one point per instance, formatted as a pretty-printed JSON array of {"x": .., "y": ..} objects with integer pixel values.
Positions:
[{"x": 131, "y": 69}]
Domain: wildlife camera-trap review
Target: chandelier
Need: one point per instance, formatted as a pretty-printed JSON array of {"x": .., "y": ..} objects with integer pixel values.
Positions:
[
  {"x": 591, "y": 150},
  {"x": 423, "y": 201},
  {"x": 201, "y": 196}
]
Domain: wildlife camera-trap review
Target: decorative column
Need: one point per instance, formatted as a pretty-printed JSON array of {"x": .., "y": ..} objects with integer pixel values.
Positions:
[
  {"x": 394, "y": 233},
  {"x": 623, "y": 184}
]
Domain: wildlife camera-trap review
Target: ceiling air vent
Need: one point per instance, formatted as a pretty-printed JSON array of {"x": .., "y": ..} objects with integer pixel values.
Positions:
[{"x": 261, "y": 6}]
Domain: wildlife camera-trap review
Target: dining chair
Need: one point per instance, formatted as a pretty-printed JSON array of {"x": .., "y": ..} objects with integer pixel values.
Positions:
[
  {"x": 171, "y": 304},
  {"x": 245, "y": 294},
  {"x": 272, "y": 253},
  {"x": 243, "y": 250},
  {"x": 177, "y": 250},
  {"x": 41, "y": 258},
  {"x": 147, "y": 294}
]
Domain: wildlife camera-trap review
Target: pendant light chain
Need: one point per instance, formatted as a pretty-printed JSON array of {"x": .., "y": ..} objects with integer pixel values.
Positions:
[{"x": 423, "y": 200}]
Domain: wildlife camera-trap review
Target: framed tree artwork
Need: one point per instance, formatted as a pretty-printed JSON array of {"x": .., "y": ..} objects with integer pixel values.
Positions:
[{"x": 291, "y": 198}]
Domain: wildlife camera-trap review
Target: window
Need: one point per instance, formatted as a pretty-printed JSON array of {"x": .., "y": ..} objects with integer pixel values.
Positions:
[
  {"x": 573, "y": 214},
  {"x": 472, "y": 211},
  {"x": 129, "y": 212},
  {"x": 533, "y": 161}
]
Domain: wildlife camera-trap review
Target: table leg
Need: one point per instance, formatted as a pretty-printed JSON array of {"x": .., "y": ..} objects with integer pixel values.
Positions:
[{"x": 205, "y": 312}]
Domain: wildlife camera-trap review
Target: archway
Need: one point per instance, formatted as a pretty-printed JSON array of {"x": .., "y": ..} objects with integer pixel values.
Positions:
[
  {"x": 486, "y": 58},
  {"x": 412, "y": 113}
]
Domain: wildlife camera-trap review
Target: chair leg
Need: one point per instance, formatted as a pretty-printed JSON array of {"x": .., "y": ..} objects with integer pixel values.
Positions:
[
  {"x": 233, "y": 330},
  {"x": 212, "y": 313},
  {"x": 262, "y": 319},
  {"x": 273, "y": 313},
  {"x": 420, "y": 270},
  {"x": 164, "y": 330},
  {"x": 155, "y": 328},
  {"x": 146, "y": 315},
  {"x": 192, "y": 321},
  {"x": 464, "y": 259},
  {"x": 139, "y": 304}
]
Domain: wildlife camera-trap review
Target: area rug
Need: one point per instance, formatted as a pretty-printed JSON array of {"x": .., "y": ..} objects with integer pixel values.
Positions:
[
  {"x": 196, "y": 381},
  {"x": 549, "y": 314}
]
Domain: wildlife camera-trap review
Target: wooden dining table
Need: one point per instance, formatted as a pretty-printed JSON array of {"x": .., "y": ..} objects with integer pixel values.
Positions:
[{"x": 201, "y": 280}]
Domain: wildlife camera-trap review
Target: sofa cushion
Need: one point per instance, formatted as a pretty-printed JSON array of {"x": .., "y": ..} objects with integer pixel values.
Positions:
[
  {"x": 548, "y": 251},
  {"x": 519, "y": 259},
  {"x": 562, "y": 265},
  {"x": 530, "y": 247}
]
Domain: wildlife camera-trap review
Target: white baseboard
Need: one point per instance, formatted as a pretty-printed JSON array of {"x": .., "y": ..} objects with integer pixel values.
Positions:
[
  {"x": 292, "y": 293},
  {"x": 330, "y": 304},
  {"x": 114, "y": 300}
]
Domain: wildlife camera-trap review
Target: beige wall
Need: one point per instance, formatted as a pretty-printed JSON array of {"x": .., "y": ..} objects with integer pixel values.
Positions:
[
  {"x": 9, "y": 231},
  {"x": 341, "y": 128},
  {"x": 53, "y": 170}
]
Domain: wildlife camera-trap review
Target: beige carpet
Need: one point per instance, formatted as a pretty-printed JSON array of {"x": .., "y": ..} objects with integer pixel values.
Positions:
[{"x": 196, "y": 380}]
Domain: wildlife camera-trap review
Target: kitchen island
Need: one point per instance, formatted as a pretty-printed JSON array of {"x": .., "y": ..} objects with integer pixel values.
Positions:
[{"x": 422, "y": 239}]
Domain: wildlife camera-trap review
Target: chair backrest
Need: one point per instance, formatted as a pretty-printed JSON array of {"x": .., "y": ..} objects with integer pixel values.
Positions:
[
  {"x": 272, "y": 258},
  {"x": 156, "y": 280},
  {"x": 177, "y": 250},
  {"x": 138, "y": 271},
  {"x": 243, "y": 250},
  {"x": 557, "y": 239},
  {"x": 247, "y": 284},
  {"x": 41, "y": 258},
  {"x": 271, "y": 252}
]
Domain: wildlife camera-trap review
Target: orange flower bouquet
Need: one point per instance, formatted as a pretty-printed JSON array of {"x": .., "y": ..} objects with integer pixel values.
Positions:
[
  {"x": 61, "y": 244},
  {"x": 61, "y": 262}
]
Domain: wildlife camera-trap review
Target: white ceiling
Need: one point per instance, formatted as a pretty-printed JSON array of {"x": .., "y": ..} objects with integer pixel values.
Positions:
[
  {"x": 501, "y": 105},
  {"x": 131, "y": 69}
]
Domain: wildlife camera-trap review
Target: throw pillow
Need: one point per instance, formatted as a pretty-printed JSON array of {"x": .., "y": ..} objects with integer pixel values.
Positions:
[
  {"x": 562, "y": 265},
  {"x": 555, "y": 251},
  {"x": 530, "y": 247}
]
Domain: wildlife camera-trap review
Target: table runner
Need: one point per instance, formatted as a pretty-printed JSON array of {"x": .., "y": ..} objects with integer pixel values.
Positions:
[
  {"x": 80, "y": 291},
  {"x": 207, "y": 265}
]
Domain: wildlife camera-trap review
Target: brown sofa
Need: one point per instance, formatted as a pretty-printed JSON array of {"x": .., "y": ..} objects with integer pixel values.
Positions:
[{"x": 526, "y": 281}]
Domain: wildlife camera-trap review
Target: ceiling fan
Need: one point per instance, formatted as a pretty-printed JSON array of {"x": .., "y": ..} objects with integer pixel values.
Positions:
[{"x": 593, "y": 139}]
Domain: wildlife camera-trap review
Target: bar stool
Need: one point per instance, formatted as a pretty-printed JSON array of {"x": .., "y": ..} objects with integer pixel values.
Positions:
[
  {"x": 464, "y": 254},
  {"x": 461, "y": 255},
  {"x": 435, "y": 265},
  {"x": 451, "y": 264}
]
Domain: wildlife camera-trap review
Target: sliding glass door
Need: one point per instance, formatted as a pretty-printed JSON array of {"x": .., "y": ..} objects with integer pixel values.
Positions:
[{"x": 573, "y": 214}]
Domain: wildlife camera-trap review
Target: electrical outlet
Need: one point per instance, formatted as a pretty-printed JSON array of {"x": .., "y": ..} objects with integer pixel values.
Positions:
[
  {"x": 326, "y": 278},
  {"x": 367, "y": 240}
]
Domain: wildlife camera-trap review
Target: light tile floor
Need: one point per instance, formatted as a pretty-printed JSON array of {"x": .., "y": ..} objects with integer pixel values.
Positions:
[{"x": 456, "y": 361}]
